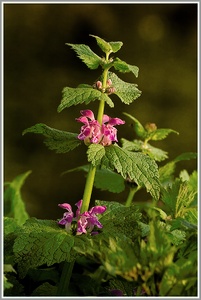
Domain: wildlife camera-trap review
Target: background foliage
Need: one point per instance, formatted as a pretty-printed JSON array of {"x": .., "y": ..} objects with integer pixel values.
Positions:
[{"x": 159, "y": 38}]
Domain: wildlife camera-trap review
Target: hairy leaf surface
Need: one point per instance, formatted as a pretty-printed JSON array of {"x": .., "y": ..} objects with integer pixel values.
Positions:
[
  {"x": 42, "y": 242},
  {"x": 91, "y": 59},
  {"x": 127, "y": 92},
  {"x": 58, "y": 140}
]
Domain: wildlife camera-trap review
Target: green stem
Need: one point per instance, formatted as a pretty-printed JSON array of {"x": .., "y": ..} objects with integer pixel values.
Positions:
[
  {"x": 65, "y": 278},
  {"x": 131, "y": 195},
  {"x": 92, "y": 170},
  {"x": 88, "y": 189}
]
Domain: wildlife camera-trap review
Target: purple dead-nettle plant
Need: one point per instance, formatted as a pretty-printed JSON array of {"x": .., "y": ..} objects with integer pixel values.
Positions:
[
  {"x": 93, "y": 132},
  {"x": 82, "y": 222}
]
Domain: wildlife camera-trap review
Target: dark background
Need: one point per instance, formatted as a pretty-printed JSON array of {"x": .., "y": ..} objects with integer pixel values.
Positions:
[{"x": 161, "y": 39}]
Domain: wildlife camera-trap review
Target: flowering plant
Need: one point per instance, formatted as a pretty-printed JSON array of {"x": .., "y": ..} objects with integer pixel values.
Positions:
[{"x": 112, "y": 248}]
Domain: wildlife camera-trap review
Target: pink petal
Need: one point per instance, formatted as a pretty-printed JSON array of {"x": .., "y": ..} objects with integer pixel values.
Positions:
[
  {"x": 116, "y": 121},
  {"x": 66, "y": 206},
  {"x": 98, "y": 209},
  {"x": 88, "y": 113}
]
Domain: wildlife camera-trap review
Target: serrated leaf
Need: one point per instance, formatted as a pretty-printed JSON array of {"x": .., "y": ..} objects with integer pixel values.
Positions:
[
  {"x": 160, "y": 134},
  {"x": 178, "y": 199},
  {"x": 139, "y": 128},
  {"x": 137, "y": 166},
  {"x": 112, "y": 248},
  {"x": 58, "y": 140},
  {"x": 127, "y": 92},
  {"x": 14, "y": 206},
  {"x": 79, "y": 95},
  {"x": 95, "y": 154},
  {"x": 91, "y": 59},
  {"x": 123, "y": 67},
  {"x": 41, "y": 242},
  {"x": 131, "y": 145},
  {"x": 107, "y": 47}
]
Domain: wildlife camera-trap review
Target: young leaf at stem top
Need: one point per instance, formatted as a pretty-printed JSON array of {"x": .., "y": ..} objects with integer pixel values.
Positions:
[
  {"x": 107, "y": 47},
  {"x": 84, "y": 52}
]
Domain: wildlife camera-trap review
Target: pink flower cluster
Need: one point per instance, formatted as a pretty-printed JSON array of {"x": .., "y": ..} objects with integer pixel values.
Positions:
[
  {"x": 93, "y": 132},
  {"x": 85, "y": 221}
]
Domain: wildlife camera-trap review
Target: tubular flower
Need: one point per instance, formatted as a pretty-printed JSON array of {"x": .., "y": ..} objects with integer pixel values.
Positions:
[
  {"x": 85, "y": 221},
  {"x": 93, "y": 132}
]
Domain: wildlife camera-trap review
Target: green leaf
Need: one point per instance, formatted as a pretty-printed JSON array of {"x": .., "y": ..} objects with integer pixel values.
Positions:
[
  {"x": 123, "y": 67},
  {"x": 95, "y": 154},
  {"x": 105, "y": 179},
  {"x": 107, "y": 99},
  {"x": 166, "y": 172},
  {"x": 116, "y": 46},
  {"x": 44, "y": 290},
  {"x": 160, "y": 134},
  {"x": 14, "y": 206},
  {"x": 137, "y": 145},
  {"x": 180, "y": 277},
  {"x": 107, "y": 47},
  {"x": 137, "y": 166},
  {"x": 185, "y": 156},
  {"x": 127, "y": 92},
  {"x": 10, "y": 225},
  {"x": 178, "y": 199},
  {"x": 139, "y": 128},
  {"x": 112, "y": 248},
  {"x": 58, "y": 140},
  {"x": 84, "y": 52},
  {"x": 74, "y": 96},
  {"x": 42, "y": 242}
]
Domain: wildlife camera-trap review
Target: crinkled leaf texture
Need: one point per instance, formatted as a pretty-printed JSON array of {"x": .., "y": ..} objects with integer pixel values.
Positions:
[
  {"x": 136, "y": 166},
  {"x": 113, "y": 247},
  {"x": 81, "y": 94},
  {"x": 13, "y": 204},
  {"x": 105, "y": 179},
  {"x": 137, "y": 145},
  {"x": 91, "y": 59},
  {"x": 180, "y": 200},
  {"x": 127, "y": 92},
  {"x": 58, "y": 140},
  {"x": 42, "y": 242}
]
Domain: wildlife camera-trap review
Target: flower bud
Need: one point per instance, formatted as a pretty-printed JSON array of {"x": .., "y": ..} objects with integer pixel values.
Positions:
[
  {"x": 109, "y": 82},
  {"x": 99, "y": 85},
  {"x": 150, "y": 127},
  {"x": 111, "y": 90}
]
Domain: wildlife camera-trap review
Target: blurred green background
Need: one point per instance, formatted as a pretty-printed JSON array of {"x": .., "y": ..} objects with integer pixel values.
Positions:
[{"x": 161, "y": 39}]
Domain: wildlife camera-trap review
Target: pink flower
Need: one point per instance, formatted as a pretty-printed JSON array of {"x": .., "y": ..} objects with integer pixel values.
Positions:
[
  {"x": 93, "y": 132},
  {"x": 85, "y": 221}
]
